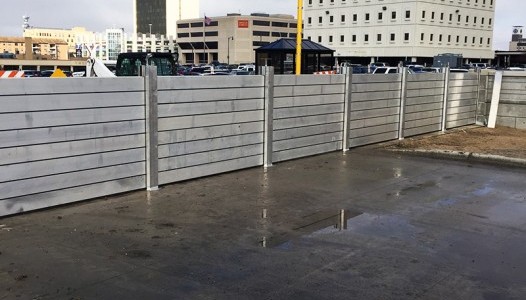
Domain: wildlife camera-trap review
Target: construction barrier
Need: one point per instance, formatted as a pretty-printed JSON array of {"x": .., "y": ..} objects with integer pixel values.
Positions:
[{"x": 11, "y": 74}]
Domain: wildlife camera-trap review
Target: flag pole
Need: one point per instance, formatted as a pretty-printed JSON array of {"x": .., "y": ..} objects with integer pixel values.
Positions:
[{"x": 299, "y": 34}]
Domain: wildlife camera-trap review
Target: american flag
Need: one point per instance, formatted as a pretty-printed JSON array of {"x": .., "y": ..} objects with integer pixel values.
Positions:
[{"x": 208, "y": 21}]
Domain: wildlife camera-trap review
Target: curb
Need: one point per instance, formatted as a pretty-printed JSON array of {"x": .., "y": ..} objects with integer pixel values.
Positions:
[{"x": 468, "y": 156}]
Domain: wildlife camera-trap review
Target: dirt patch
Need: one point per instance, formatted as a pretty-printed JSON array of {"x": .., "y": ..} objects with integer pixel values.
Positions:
[{"x": 503, "y": 141}]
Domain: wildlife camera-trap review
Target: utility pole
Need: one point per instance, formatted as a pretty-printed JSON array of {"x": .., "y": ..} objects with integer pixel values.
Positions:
[{"x": 299, "y": 37}]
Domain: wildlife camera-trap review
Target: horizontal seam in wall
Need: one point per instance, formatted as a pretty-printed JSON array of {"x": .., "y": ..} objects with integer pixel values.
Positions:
[
  {"x": 211, "y": 88},
  {"x": 71, "y": 156},
  {"x": 161, "y": 104},
  {"x": 72, "y": 187},
  {"x": 70, "y": 109},
  {"x": 307, "y": 136},
  {"x": 75, "y": 93},
  {"x": 217, "y": 125},
  {"x": 64, "y": 125},
  {"x": 212, "y": 113},
  {"x": 213, "y": 138},
  {"x": 74, "y": 171},
  {"x": 308, "y": 146},
  {"x": 207, "y": 163}
]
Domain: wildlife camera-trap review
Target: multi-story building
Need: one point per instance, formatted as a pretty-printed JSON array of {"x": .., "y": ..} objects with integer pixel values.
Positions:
[
  {"x": 160, "y": 16},
  {"x": 232, "y": 38},
  {"x": 34, "y": 48},
  {"x": 518, "y": 42},
  {"x": 109, "y": 44},
  {"x": 401, "y": 30},
  {"x": 70, "y": 36}
]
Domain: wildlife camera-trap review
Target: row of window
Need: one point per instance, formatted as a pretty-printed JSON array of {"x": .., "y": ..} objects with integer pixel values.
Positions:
[
  {"x": 483, "y": 2},
  {"x": 254, "y": 22},
  {"x": 433, "y": 15},
  {"x": 254, "y": 33},
  {"x": 392, "y": 38}
]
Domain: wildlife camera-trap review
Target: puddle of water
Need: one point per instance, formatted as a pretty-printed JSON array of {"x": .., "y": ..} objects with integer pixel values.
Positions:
[
  {"x": 483, "y": 191},
  {"x": 446, "y": 202},
  {"x": 317, "y": 222},
  {"x": 383, "y": 226}
]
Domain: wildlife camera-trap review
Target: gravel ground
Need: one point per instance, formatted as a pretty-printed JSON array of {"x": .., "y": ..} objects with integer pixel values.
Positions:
[{"x": 502, "y": 141}]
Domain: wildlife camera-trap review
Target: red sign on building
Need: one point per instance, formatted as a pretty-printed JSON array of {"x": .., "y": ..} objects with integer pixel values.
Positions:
[{"x": 242, "y": 23}]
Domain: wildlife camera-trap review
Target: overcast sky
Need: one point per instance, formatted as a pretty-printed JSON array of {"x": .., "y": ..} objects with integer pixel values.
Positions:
[{"x": 97, "y": 15}]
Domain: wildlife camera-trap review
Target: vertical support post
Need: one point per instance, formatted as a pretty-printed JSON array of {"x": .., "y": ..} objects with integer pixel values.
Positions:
[
  {"x": 347, "y": 71},
  {"x": 495, "y": 99},
  {"x": 268, "y": 73},
  {"x": 403, "y": 96},
  {"x": 479, "y": 79},
  {"x": 152, "y": 128},
  {"x": 445, "y": 98}
]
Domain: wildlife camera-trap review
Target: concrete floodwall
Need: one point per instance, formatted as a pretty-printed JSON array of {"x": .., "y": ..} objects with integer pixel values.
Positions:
[
  {"x": 374, "y": 108},
  {"x": 307, "y": 115},
  {"x": 512, "y": 104},
  {"x": 65, "y": 140}
]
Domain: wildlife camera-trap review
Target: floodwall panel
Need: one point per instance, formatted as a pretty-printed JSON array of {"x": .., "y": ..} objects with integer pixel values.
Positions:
[
  {"x": 424, "y": 104},
  {"x": 462, "y": 100},
  {"x": 374, "y": 109},
  {"x": 209, "y": 125},
  {"x": 67, "y": 140},
  {"x": 308, "y": 115}
]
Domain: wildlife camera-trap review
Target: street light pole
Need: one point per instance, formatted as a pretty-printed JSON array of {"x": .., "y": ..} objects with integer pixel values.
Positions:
[
  {"x": 228, "y": 51},
  {"x": 150, "y": 25}
]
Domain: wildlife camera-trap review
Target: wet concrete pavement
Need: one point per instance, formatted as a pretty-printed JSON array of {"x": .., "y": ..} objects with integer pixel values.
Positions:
[{"x": 365, "y": 225}]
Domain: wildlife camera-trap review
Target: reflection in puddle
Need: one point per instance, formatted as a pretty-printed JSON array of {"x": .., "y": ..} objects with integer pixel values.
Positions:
[
  {"x": 483, "y": 191},
  {"x": 321, "y": 221}
]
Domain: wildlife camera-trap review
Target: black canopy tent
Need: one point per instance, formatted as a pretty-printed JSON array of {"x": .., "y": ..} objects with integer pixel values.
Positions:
[{"x": 281, "y": 54}]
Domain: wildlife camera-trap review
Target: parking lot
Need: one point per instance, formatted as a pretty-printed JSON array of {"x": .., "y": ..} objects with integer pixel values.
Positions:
[{"x": 366, "y": 224}]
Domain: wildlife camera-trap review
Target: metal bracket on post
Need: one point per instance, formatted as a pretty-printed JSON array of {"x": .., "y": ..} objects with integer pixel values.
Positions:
[
  {"x": 268, "y": 73},
  {"x": 347, "y": 71},
  {"x": 445, "y": 99},
  {"x": 152, "y": 128},
  {"x": 403, "y": 96}
]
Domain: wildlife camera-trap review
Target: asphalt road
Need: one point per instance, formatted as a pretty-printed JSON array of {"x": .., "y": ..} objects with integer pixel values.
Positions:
[{"x": 364, "y": 225}]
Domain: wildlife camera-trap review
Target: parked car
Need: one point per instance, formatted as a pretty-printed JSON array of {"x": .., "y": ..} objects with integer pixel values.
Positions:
[
  {"x": 46, "y": 73},
  {"x": 79, "y": 74},
  {"x": 432, "y": 70},
  {"x": 239, "y": 72},
  {"x": 390, "y": 70},
  {"x": 458, "y": 70},
  {"x": 31, "y": 73}
]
